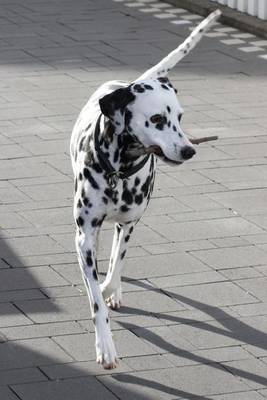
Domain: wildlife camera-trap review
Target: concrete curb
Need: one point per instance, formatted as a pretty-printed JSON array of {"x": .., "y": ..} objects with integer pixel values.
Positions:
[{"x": 230, "y": 16}]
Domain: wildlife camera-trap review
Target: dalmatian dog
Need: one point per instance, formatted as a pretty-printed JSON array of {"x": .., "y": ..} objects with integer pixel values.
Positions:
[{"x": 116, "y": 140}]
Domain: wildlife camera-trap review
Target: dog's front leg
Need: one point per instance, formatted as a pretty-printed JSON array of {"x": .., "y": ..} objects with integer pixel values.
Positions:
[
  {"x": 86, "y": 249},
  {"x": 111, "y": 287}
]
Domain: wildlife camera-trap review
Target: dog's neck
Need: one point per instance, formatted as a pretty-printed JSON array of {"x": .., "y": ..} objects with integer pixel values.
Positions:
[{"x": 123, "y": 151}]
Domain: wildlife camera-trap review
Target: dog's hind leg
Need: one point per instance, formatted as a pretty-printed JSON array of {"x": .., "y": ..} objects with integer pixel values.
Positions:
[
  {"x": 86, "y": 249},
  {"x": 111, "y": 287}
]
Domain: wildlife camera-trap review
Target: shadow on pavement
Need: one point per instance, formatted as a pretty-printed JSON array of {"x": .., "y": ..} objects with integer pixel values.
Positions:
[
  {"x": 37, "y": 368},
  {"x": 234, "y": 328}
]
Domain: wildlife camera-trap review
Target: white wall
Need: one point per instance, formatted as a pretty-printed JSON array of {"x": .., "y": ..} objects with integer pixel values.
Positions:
[{"x": 257, "y": 8}]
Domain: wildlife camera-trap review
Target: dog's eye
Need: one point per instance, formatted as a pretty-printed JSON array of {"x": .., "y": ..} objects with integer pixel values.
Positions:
[{"x": 157, "y": 119}]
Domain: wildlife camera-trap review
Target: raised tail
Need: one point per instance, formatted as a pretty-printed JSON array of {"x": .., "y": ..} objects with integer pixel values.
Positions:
[{"x": 165, "y": 65}]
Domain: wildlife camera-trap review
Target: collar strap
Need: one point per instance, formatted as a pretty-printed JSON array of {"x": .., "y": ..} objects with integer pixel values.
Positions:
[{"x": 113, "y": 175}]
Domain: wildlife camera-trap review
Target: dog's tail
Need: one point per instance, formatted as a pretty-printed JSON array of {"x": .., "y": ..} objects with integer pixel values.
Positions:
[{"x": 165, "y": 65}]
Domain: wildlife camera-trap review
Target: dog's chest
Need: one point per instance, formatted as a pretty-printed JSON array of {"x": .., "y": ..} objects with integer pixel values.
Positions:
[{"x": 124, "y": 203}]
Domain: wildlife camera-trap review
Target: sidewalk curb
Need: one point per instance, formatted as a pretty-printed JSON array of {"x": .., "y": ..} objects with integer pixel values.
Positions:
[{"x": 230, "y": 16}]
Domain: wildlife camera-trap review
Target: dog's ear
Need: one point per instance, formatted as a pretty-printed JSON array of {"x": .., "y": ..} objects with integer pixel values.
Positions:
[{"x": 113, "y": 106}]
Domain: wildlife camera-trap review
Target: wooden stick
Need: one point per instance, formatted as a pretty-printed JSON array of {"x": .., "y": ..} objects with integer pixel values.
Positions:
[{"x": 203, "y": 139}]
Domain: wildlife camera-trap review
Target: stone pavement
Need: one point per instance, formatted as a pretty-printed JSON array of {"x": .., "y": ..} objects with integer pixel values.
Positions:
[{"x": 194, "y": 320}]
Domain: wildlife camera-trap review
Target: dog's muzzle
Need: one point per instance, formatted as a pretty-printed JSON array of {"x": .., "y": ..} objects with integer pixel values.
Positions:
[{"x": 187, "y": 152}]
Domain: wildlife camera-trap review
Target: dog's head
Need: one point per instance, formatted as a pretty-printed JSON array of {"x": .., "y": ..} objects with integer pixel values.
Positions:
[
  {"x": 151, "y": 112},
  {"x": 149, "y": 108}
]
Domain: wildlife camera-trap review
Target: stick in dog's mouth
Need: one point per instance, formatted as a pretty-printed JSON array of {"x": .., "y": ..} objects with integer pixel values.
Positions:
[
  {"x": 203, "y": 139},
  {"x": 154, "y": 149}
]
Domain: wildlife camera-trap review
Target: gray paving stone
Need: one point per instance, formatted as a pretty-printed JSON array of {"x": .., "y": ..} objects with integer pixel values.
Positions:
[
  {"x": 64, "y": 291},
  {"x": 82, "y": 368},
  {"x": 162, "y": 265},
  {"x": 68, "y": 389},
  {"x": 150, "y": 302},
  {"x": 247, "y": 202},
  {"x": 211, "y": 294},
  {"x": 207, "y": 356},
  {"x": 29, "y": 246},
  {"x": 240, "y": 273},
  {"x": 164, "y": 340},
  {"x": 31, "y": 352},
  {"x": 6, "y": 393},
  {"x": 252, "y": 371},
  {"x": 30, "y": 278},
  {"x": 187, "y": 279},
  {"x": 40, "y": 330},
  {"x": 143, "y": 363},
  {"x": 11, "y": 316},
  {"x": 14, "y": 295},
  {"x": 251, "y": 395},
  {"x": 233, "y": 257},
  {"x": 208, "y": 229},
  {"x": 178, "y": 247},
  {"x": 207, "y": 380},
  {"x": 55, "y": 310},
  {"x": 81, "y": 346},
  {"x": 255, "y": 286},
  {"x": 158, "y": 206},
  {"x": 49, "y": 191},
  {"x": 21, "y": 376}
]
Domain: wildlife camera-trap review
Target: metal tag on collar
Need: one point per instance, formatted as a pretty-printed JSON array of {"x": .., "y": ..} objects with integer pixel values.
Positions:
[{"x": 113, "y": 179}]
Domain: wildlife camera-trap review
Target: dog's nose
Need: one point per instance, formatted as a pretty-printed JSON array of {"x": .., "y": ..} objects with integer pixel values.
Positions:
[{"x": 187, "y": 152}]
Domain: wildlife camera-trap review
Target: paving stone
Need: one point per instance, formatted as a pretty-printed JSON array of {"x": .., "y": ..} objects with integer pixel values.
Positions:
[
  {"x": 162, "y": 265},
  {"x": 31, "y": 352},
  {"x": 82, "y": 346},
  {"x": 240, "y": 273},
  {"x": 14, "y": 295},
  {"x": 54, "y": 310},
  {"x": 30, "y": 278},
  {"x": 66, "y": 389},
  {"x": 208, "y": 229},
  {"x": 6, "y": 393},
  {"x": 82, "y": 368},
  {"x": 207, "y": 356},
  {"x": 163, "y": 339},
  {"x": 246, "y": 202},
  {"x": 255, "y": 286},
  {"x": 187, "y": 279},
  {"x": 147, "y": 362},
  {"x": 150, "y": 302},
  {"x": 20, "y": 376},
  {"x": 207, "y": 380},
  {"x": 11, "y": 316},
  {"x": 251, "y": 371},
  {"x": 232, "y": 257},
  {"x": 159, "y": 206},
  {"x": 29, "y": 246},
  {"x": 47, "y": 192},
  {"x": 211, "y": 294},
  {"x": 63, "y": 291},
  {"x": 40, "y": 330},
  {"x": 176, "y": 247},
  {"x": 251, "y": 395}
]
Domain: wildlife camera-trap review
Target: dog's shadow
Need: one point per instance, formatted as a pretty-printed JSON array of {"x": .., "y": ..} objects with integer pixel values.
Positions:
[
  {"x": 232, "y": 328},
  {"x": 29, "y": 366}
]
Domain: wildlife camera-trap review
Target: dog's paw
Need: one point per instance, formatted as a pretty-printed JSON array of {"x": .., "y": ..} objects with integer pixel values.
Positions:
[
  {"x": 105, "y": 351},
  {"x": 114, "y": 301}
]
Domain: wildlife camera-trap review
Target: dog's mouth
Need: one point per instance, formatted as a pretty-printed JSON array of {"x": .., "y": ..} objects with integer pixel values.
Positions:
[{"x": 158, "y": 152}]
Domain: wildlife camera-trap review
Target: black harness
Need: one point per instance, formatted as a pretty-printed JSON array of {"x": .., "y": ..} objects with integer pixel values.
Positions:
[{"x": 113, "y": 175}]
